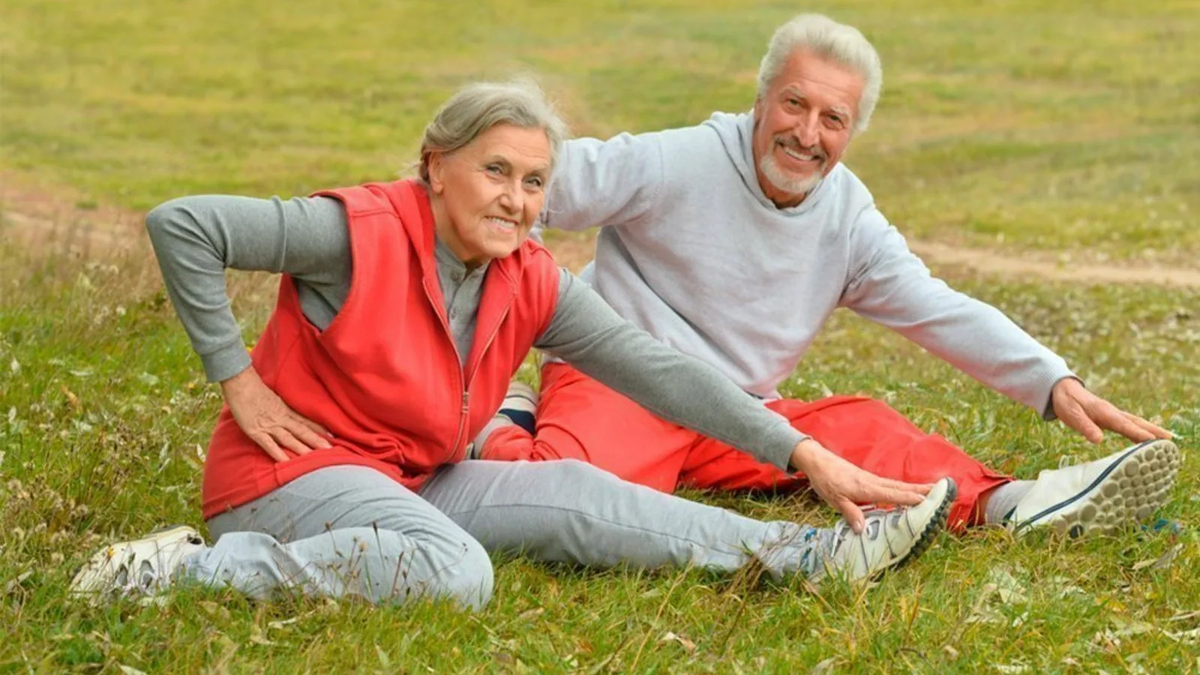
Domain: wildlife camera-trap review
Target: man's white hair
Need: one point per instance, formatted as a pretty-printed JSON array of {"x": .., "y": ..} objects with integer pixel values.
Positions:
[{"x": 832, "y": 41}]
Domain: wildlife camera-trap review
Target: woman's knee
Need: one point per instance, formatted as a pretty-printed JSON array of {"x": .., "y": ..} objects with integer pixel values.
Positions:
[
  {"x": 394, "y": 567},
  {"x": 470, "y": 580}
]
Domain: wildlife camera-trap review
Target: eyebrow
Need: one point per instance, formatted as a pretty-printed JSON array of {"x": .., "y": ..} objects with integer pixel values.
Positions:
[
  {"x": 798, "y": 94},
  {"x": 542, "y": 170}
]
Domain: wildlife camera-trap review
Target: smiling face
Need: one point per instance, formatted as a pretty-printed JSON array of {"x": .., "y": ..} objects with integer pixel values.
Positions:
[
  {"x": 802, "y": 125},
  {"x": 487, "y": 194}
]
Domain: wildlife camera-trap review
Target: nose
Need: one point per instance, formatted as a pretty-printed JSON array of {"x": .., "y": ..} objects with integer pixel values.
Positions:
[
  {"x": 512, "y": 199},
  {"x": 808, "y": 131}
]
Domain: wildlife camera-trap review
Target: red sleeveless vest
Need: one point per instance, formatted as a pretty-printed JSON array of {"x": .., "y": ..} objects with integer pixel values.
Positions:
[{"x": 385, "y": 377}]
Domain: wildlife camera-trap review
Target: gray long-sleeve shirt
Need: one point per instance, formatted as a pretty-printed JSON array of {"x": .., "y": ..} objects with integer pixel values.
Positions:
[{"x": 197, "y": 238}]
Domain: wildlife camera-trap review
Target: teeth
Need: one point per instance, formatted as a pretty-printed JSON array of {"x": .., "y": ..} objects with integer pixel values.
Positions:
[{"x": 803, "y": 158}]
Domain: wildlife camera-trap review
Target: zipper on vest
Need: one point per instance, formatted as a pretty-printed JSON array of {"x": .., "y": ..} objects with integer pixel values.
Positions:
[
  {"x": 463, "y": 384},
  {"x": 475, "y": 366},
  {"x": 488, "y": 343},
  {"x": 462, "y": 425}
]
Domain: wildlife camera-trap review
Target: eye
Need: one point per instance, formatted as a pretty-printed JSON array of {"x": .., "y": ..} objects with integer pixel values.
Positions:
[
  {"x": 495, "y": 169},
  {"x": 835, "y": 121},
  {"x": 535, "y": 182}
]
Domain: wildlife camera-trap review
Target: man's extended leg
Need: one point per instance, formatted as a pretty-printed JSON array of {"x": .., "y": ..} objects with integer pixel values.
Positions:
[
  {"x": 867, "y": 433},
  {"x": 579, "y": 418}
]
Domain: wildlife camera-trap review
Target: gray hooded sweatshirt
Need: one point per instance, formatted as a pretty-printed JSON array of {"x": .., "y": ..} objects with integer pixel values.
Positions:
[{"x": 693, "y": 252}]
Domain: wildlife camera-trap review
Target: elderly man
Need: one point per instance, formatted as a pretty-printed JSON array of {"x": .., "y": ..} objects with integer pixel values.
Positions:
[{"x": 733, "y": 241}]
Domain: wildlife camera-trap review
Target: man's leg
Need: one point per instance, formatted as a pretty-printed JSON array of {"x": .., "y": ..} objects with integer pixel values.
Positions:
[
  {"x": 579, "y": 418},
  {"x": 865, "y": 432}
]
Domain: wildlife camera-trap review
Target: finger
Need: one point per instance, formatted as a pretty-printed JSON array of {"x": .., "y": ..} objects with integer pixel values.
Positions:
[
  {"x": 315, "y": 426},
  {"x": 1075, "y": 417},
  {"x": 888, "y": 491},
  {"x": 920, "y": 488},
  {"x": 1114, "y": 420},
  {"x": 1159, "y": 432},
  {"x": 900, "y": 497},
  {"x": 269, "y": 446},
  {"x": 287, "y": 439},
  {"x": 851, "y": 513},
  {"x": 311, "y": 438}
]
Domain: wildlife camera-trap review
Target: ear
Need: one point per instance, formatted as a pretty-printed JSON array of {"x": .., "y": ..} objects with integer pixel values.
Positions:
[{"x": 436, "y": 164}]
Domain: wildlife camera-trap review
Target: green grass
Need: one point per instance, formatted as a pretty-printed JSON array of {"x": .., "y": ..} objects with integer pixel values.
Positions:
[
  {"x": 1069, "y": 127},
  {"x": 107, "y": 413}
]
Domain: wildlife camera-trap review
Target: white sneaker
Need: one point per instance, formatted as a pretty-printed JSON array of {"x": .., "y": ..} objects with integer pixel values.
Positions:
[
  {"x": 142, "y": 567},
  {"x": 1103, "y": 495},
  {"x": 891, "y": 539}
]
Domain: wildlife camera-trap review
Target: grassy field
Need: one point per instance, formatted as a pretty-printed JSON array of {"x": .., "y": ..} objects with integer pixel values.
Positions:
[{"x": 1068, "y": 127}]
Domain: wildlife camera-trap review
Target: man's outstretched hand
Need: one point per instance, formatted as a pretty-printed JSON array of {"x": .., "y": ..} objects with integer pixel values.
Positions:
[
  {"x": 1091, "y": 415},
  {"x": 843, "y": 485}
]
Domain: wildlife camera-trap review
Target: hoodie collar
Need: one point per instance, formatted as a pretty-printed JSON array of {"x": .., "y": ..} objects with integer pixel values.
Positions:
[{"x": 736, "y": 132}]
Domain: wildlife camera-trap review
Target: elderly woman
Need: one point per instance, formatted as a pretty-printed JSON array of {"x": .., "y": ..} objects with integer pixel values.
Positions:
[{"x": 341, "y": 463}]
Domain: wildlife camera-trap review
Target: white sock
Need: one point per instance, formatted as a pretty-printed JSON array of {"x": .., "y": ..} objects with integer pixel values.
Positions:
[{"x": 1004, "y": 500}]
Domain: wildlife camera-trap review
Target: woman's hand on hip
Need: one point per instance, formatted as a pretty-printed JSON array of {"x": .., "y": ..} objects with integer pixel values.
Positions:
[
  {"x": 267, "y": 420},
  {"x": 843, "y": 485}
]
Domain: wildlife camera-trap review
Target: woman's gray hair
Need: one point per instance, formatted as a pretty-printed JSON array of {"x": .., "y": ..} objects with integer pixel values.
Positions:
[
  {"x": 480, "y": 106},
  {"x": 830, "y": 40}
]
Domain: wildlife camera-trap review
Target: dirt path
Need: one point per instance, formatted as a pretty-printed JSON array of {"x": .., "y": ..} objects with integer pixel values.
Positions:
[
  {"x": 574, "y": 250},
  {"x": 51, "y": 223},
  {"x": 1043, "y": 266}
]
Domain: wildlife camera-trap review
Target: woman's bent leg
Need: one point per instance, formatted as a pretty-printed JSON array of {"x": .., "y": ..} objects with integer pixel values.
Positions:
[
  {"x": 340, "y": 531},
  {"x": 570, "y": 511}
]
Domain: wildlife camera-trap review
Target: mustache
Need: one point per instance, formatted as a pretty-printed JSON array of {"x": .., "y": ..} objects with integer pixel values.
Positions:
[{"x": 792, "y": 143}]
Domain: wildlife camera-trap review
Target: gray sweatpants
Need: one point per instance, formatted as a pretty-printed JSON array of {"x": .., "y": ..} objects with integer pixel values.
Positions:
[{"x": 351, "y": 530}]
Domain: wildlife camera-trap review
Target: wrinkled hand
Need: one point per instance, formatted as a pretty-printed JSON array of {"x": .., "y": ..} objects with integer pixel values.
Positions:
[
  {"x": 1089, "y": 414},
  {"x": 267, "y": 420},
  {"x": 843, "y": 485}
]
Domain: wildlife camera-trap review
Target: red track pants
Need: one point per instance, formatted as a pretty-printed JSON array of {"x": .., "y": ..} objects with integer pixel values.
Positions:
[{"x": 579, "y": 418}]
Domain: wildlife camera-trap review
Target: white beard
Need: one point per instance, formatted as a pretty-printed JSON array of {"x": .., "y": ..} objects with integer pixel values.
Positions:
[{"x": 786, "y": 183}]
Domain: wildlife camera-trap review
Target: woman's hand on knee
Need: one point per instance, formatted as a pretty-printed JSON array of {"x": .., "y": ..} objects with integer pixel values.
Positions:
[
  {"x": 843, "y": 485},
  {"x": 268, "y": 421}
]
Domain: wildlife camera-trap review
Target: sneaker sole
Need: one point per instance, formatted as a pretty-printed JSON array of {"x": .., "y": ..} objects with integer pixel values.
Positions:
[
  {"x": 92, "y": 579},
  {"x": 932, "y": 529},
  {"x": 1129, "y": 490}
]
